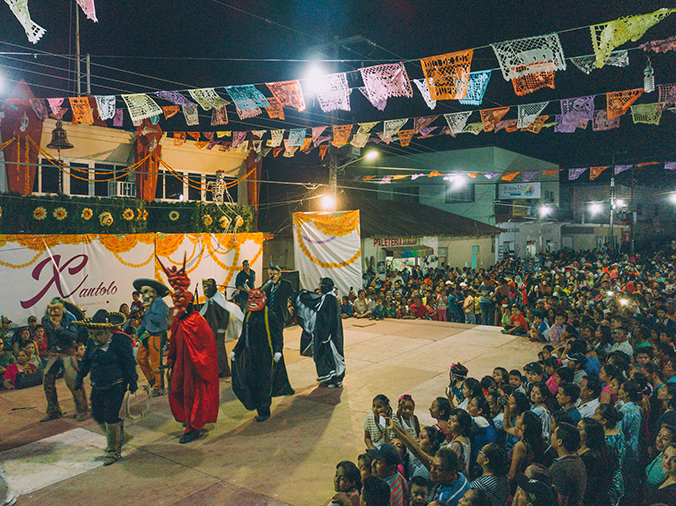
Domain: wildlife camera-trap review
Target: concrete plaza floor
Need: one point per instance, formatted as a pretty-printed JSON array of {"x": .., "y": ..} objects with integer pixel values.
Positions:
[{"x": 289, "y": 459}]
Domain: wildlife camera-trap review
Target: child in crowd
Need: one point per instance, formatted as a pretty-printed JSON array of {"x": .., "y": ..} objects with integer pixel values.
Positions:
[
  {"x": 468, "y": 307},
  {"x": 516, "y": 381},
  {"x": 346, "y": 310},
  {"x": 406, "y": 416},
  {"x": 347, "y": 485},
  {"x": 375, "y": 434},
  {"x": 378, "y": 312},
  {"x": 136, "y": 304}
]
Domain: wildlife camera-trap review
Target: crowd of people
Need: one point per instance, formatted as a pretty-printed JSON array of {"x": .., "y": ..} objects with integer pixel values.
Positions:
[{"x": 591, "y": 422}]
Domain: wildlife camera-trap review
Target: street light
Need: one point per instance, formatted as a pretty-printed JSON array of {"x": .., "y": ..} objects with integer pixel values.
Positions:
[
  {"x": 595, "y": 208},
  {"x": 328, "y": 202},
  {"x": 545, "y": 211},
  {"x": 672, "y": 198}
]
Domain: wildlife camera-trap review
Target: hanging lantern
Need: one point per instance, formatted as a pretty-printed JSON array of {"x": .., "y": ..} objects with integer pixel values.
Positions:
[
  {"x": 59, "y": 138},
  {"x": 648, "y": 78}
]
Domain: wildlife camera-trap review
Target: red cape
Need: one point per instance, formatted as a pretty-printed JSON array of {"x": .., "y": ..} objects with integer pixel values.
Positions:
[{"x": 194, "y": 394}]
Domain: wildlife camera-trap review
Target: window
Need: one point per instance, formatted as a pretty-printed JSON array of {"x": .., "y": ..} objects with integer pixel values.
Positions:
[
  {"x": 195, "y": 187},
  {"x": 455, "y": 195},
  {"x": 79, "y": 175},
  {"x": 406, "y": 194},
  {"x": 173, "y": 186},
  {"x": 49, "y": 178},
  {"x": 104, "y": 172},
  {"x": 159, "y": 189}
]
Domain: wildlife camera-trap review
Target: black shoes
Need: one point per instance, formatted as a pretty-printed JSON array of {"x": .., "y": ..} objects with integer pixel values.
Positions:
[{"x": 189, "y": 437}]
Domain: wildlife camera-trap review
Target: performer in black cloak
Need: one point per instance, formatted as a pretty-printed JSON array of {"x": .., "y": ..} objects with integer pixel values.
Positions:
[
  {"x": 224, "y": 318},
  {"x": 318, "y": 314},
  {"x": 258, "y": 370},
  {"x": 278, "y": 291}
]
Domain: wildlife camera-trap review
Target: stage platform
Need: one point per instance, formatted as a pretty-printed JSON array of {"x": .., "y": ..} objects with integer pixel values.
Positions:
[{"x": 288, "y": 460}]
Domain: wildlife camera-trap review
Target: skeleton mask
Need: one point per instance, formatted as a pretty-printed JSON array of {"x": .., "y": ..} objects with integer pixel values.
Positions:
[
  {"x": 209, "y": 287},
  {"x": 148, "y": 296},
  {"x": 256, "y": 300}
]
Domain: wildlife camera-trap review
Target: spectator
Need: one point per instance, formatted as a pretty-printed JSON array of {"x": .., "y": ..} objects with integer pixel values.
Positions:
[
  {"x": 346, "y": 310},
  {"x": 375, "y": 492},
  {"x": 590, "y": 390},
  {"x": 6, "y": 358},
  {"x": 567, "y": 398},
  {"x": 569, "y": 475},
  {"x": 599, "y": 462},
  {"x": 16, "y": 370},
  {"x": 666, "y": 492},
  {"x": 474, "y": 498},
  {"x": 450, "y": 485},
  {"x": 655, "y": 472},
  {"x": 420, "y": 490},
  {"x": 375, "y": 433},
  {"x": 609, "y": 417},
  {"x": 347, "y": 485},
  {"x": 493, "y": 480},
  {"x": 385, "y": 461}
]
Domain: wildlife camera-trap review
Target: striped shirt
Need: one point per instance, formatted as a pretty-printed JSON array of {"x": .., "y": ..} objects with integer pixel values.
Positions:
[
  {"x": 496, "y": 488},
  {"x": 398, "y": 489}
]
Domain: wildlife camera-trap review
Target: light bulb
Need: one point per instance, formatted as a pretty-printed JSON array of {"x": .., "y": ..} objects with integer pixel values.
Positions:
[{"x": 648, "y": 78}]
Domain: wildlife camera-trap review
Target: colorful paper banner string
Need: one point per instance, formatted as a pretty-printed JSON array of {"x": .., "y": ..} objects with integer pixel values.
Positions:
[
  {"x": 141, "y": 106},
  {"x": 620, "y": 101},
  {"x": 667, "y": 94},
  {"x": 362, "y": 136},
  {"x": 476, "y": 87},
  {"x": 621, "y": 168},
  {"x": 288, "y": 93},
  {"x": 55, "y": 107},
  {"x": 607, "y": 36},
  {"x": 179, "y": 138},
  {"x": 426, "y": 131},
  {"x": 322, "y": 150},
  {"x": 537, "y": 124},
  {"x": 660, "y": 46},
  {"x": 532, "y": 55},
  {"x": 333, "y": 93},
  {"x": 118, "y": 120},
  {"x": 238, "y": 138},
  {"x": 586, "y": 63},
  {"x": 405, "y": 137},
  {"x": 457, "y": 121},
  {"x": 275, "y": 109},
  {"x": 219, "y": 116},
  {"x": 209, "y": 135},
  {"x": 191, "y": 114},
  {"x": 341, "y": 134},
  {"x": 509, "y": 176},
  {"x": 533, "y": 82},
  {"x": 528, "y": 113},
  {"x": 195, "y": 135},
  {"x": 248, "y": 113},
  {"x": 447, "y": 75},
  {"x": 276, "y": 137},
  {"x": 422, "y": 122},
  {"x": 594, "y": 172},
  {"x": 386, "y": 81},
  {"x": 201, "y": 144},
  {"x": 527, "y": 177},
  {"x": 491, "y": 175},
  {"x": 602, "y": 122},
  {"x": 551, "y": 172},
  {"x": 378, "y": 104},
  {"x": 247, "y": 97},
  {"x": 421, "y": 84},
  {"x": 174, "y": 97},
  {"x": 473, "y": 128},
  {"x": 386, "y": 180},
  {"x": 89, "y": 9},
  {"x": 670, "y": 166},
  {"x": 650, "y": 114},
  {"x": 575, "y": 110},
  {"x": 573, "y": 174},
  {"x": 19, "y": 8},
  {"x": 490, "y": 117},
  {"x": 297, "y": 136},
  {"x": 208, "y": 99},
  {"x": 39, "y": 108},
  {"x": 82, "y": 112},
  {"x": 106, "y": 106},
  {"x": 391, "y": 127},
  {"x": 562, "y": 127}
]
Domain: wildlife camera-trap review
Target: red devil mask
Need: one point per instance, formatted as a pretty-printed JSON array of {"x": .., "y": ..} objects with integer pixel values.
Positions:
[
  {"x": 256, "y": 300},
  {"x": 180, "y": 282}
]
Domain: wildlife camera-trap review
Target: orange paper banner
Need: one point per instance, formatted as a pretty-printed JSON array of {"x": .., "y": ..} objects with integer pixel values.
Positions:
[
  {"x": 275, "y": 109},
  {"x": 276, "y": 151},
  {"x": 179, "y": 138},
  {"x": 288, "y": 93},
  {"x": 536, "y": 126},
  {"x": 170, "y": 110},
  {"x": 551, "y": 172},
  {"x": 341, "y": 134},
  {"x": 82, "y": 112},
  {"x": 509, "y": 176},
  {"x": 533, "y": 82},
  {"x": 434, "y": 173},
  {"x": 447, "y": 75},
  {"x": 194, "y": 135},
  {"x": 322, "y": 150},
  {"x": 490, "y": 117},
  {"x": 201, "y": 144},
  {"x": 595, "y": 171},
  {"x": 620, "y": 101},
  {"x": 405, "y": 137}
]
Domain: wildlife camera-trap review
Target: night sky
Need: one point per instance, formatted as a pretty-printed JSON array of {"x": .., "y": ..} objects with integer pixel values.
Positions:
[{"x": 176, "y": 45}]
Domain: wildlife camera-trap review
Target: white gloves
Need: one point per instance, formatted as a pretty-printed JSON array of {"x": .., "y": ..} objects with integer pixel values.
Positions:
[
  {"x": 232, "y": 356},
  {"x": 277, "y": 357}
]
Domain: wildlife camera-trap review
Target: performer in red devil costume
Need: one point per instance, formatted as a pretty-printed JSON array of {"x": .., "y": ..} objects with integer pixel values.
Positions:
[{"x": 192, "y": 359}]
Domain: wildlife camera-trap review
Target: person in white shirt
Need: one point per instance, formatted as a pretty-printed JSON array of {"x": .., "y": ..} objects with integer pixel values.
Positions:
[
  {"x": 621, "y": 335},
  {"x": 590, "y": 390}
]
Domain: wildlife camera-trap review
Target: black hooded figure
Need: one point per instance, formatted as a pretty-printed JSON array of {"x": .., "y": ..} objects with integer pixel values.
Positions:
[{"x": 318, "y": 314}]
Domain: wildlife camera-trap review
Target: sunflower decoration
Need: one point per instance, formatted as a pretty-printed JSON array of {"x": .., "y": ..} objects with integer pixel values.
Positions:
[
  {"x": 145, "y": 215},
  {"x": 224, "y": 222},
  {"x": 173, "y": 215},
  {"x": 239, "y": 222},
  {"x": 105, "y": 219},
  {"x": 87, "y": 214},
  {"x": 207, "y": 220},
  {"x": 60, "y": 213},
  {"x": 39, "y": 213},
  {"x": 128, "y": 214}
]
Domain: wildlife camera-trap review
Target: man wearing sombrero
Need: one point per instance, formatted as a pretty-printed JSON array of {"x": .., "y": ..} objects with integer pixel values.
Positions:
[
  {"x": 153, "y": 331},
  {"x": 110, "y": 360}
]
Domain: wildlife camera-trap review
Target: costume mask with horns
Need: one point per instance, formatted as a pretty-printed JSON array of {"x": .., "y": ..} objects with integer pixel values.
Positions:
[{"x": 179, "y": 281}]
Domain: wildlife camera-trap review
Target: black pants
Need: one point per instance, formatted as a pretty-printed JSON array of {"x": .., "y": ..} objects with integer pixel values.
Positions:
[{"x": 107, "y": 402}]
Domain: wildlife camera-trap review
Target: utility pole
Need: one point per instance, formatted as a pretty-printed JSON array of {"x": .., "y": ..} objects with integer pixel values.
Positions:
[
  {"x": 612, "y": 211},
  {"x": 632, "y": 215},
  {"x": 77, "y": 51},
  {"x": 89, "y": 75}
]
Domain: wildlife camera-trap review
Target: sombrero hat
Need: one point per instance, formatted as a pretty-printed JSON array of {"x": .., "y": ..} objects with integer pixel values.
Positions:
[
  {"x": 161, "y": 289},
  {"x": 103, "y": 320},
  {"x": 74, "y": 310}
]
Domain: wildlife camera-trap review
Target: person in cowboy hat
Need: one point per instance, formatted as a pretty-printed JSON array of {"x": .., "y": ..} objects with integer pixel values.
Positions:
[
  {"x": 152, "y": 331},
  {"x": 110, "y": 361}
]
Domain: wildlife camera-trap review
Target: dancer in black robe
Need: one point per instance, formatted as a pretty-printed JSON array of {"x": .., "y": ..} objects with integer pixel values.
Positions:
[{"x": 318, "y": 314}]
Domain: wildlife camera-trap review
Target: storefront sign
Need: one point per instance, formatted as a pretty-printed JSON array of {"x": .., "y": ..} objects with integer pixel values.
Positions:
[
  {"x": 519, "y": 191},
  {"x": 387, "y": 242}
]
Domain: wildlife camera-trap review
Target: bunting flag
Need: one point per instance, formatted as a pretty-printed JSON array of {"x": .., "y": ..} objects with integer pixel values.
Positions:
[
  {"x": 607, "y": 36},
  {"x": 490, "y": 117},
  {"x": 362, "y": 136},
  {"x": 537, "y": 124},
  {"x": 476, "y": 87},
  {"x": 385, "y": 81},
  {"x": 208, "y": 99},
  {"x": 174, "y": 97},
  {"x": 170, "y": 111},
  {"x": 386, "y": 180},
  {"x": 212, "y": 145},
  {"x": 533, "y": 82},
  {"x": 502, "y": 124},
  {"x": 399, "y": 176},
  {"x": 322, "y": 150},
  {"x": 141, "y": 106},
  {"x": 209, "y": 135},
  {"x": 457, "y": 121},
  {"x": 650, "y": 114},
  {"x": 179, "y": 138},
  {"x": 289, "y": 151},
  {"x": 224, "y": 146},
  {"x": 551, "y": 172},
  {"x": 307, "y": 145},
  {"x": 224, "y": 133},
  {"x": 334, "y": 93},
  {"x": 473, "y": 128},
  {"x": 238, "y": 138},
  {"x": 19, "y": 8},
  {"x": 118, "y": 120},
  {"x": 258, "y": 146},
  {"x": 573, "y": 174},
  {"x": 55, "y": 107},
  {"x": 527, "y": 177},
  {"x": 667, "y": 94},
  {"x": 201, "y": 144},
  {"x": 491, "y": 175},
  {"x": 416, "y": 176},
  {"x": 532, "y": 55},
  {"x": 660, "y": 46},
  {"x": 509, "y": 176},
  {"x": 405, "y": 137},
  {"x": 275, "y": 109},
  {"x": 422, "y": 122},
  {"x": 434, "y": 173},
  {"x": 511, "y": 126},
  {"x": 586, "y": 63},
  {"x": 276, "y": 137},
  {"x": 576, "y": 110},
  {"x": 426, "y": 131},
  {"x": 219, "y": 116},
  {"x": 155, "y": 120},
  {"x": 564, "y": 128},
  {"x": 191, "y": 114},
  {"x": 258, "y": 134},
  {"x": 528, "y": 113},
  {"x": 82, "y": 112},
  {"x": 316, "y": 133},
  {"x": 288, "y": 94},
  {"x": 447, "y": 75},
  {"x": 276, "y": 151},
  {"x": 195, "y": 135},
  {"x": 391, "y": 127},
  {"x": 248, "y": 113},
  {"x": 40, "y": 108},
  {"x": 378, "y": 104},
  {"x": 620, "y": 101},
  {"x": 297, "y": 136},
  {"x": 602, "y": 122},
  {"x": 425, "y": 92},
  {"x": 670, "y": 166},
  {"x": 106, "y": 106},
  {"x": 341, "y": 134},
  {"x": 595, "y": 171},
  {"x": 89, "y": 9},
  {"x": 621, "y": 168}
]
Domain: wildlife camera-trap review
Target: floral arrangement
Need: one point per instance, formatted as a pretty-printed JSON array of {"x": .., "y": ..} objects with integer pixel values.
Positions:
[
  {"x": 174, "y": 215},
  {"x": 60, "y": 213},
  {"x": 207, "y": 220},
  {"x": 87, "y": 214},
  {"x": 39, "y": 213},
  {"x": 106, "y": 219},
  {"x": 128, "y": 214}
]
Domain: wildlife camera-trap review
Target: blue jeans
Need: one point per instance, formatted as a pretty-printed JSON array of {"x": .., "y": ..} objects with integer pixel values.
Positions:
[{"x": 487, "y": 316}]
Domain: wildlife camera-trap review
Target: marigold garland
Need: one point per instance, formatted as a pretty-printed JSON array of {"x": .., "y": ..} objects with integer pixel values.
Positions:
[
  {"x": 39, "y": 213},
  {"x": 128, "y": 214},
  {"x": 87, "y": 214},
  {"x": 60, "y": 213}
]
